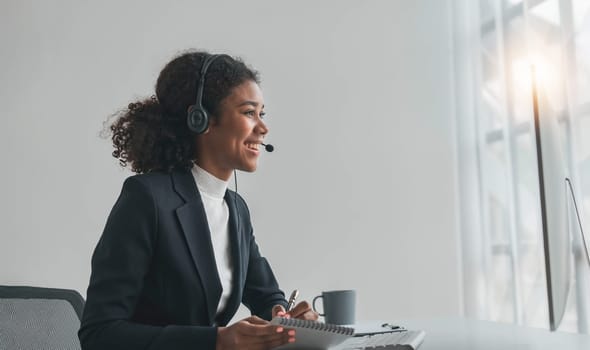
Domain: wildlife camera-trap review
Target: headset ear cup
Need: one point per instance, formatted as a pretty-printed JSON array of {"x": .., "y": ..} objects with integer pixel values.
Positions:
[{"x": 197, "y": 119}]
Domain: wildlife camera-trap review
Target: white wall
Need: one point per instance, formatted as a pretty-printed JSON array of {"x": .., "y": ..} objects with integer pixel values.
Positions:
[{"x": 360, "y": 192}]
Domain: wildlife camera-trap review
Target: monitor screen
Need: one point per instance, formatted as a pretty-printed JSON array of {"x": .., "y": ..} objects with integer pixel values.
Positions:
[{"x": 552, "y": 188}]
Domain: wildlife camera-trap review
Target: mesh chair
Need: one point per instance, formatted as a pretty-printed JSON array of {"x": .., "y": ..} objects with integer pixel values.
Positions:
[{"x": 39, "y": 318}]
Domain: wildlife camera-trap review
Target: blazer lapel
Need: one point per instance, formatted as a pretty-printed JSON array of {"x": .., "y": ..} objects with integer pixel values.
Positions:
[
  {"x": 195, "y": 227},
  {"x": 236, "y": 251}
]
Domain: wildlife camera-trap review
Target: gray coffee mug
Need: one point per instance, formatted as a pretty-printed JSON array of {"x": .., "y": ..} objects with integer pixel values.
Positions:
[{"x": 339, "y": 306}]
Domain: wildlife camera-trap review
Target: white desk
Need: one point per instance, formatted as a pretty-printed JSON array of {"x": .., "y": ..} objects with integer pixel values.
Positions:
[{"x": 462, "y": 334}]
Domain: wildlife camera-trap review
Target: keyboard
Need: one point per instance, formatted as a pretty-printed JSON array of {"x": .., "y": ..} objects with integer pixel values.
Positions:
[{"x": 409, "y": 340}]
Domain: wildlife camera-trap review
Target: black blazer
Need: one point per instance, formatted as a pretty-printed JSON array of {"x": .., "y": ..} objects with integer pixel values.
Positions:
[{"x": 154, "y": 282}]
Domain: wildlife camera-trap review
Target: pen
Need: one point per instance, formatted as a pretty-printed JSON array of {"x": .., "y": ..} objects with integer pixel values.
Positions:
[
  {"x": 392, "y": 327},
  {"x": 292, "y": 298}
]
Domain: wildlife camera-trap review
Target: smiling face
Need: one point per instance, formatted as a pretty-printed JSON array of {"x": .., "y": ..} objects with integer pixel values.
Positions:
[{"x": 234, "y": 136}]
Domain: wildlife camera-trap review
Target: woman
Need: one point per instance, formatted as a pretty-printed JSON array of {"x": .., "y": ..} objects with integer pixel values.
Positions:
[{"x": 178, "y": 254}]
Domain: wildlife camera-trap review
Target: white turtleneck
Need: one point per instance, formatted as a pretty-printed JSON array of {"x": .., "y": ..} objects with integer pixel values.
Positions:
[{"x": 212, "y": 191}]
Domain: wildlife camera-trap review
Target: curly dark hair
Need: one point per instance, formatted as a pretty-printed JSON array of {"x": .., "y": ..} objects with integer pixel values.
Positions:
[{"x": 152, "y": 134}]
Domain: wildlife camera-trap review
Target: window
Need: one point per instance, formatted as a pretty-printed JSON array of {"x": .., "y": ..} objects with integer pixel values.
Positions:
[{"x": 555, "y": 35}]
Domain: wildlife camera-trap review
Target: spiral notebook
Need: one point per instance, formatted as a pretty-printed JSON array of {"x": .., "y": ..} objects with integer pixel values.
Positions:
[{"x": 312, "y": 335}]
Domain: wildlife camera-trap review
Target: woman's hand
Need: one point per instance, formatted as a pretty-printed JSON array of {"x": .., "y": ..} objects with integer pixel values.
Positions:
[
  {"x": 302, "y": 311},
  {"x": 252, "y": 333}
]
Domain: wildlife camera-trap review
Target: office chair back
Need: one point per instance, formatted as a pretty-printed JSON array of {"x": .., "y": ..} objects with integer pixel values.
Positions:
[{"x": 39, "y": 318}]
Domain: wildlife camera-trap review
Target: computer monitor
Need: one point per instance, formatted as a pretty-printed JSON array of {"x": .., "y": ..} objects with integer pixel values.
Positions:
[
  {"x": 556, "y": 197},
  {"x": 556, "y": 240}
]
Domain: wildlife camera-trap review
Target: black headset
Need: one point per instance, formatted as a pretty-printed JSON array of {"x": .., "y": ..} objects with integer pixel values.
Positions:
[{"x": 197, "y": 117}]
